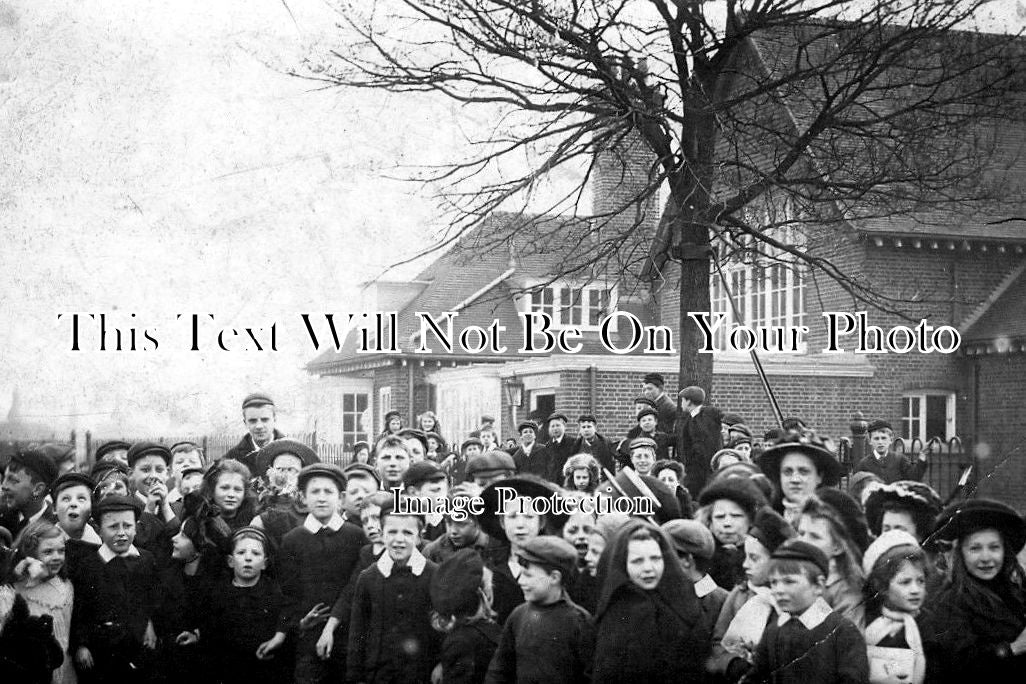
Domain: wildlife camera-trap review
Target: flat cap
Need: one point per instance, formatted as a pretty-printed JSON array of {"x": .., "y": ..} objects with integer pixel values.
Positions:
[
  {"x": 718, "y": 457},
  {"x": 878, "y": 425},
  {"x": 696, "y": 395},
  {"x": 550, "y": 552},
  {"x": 490, "y": 462},
  {"x": 414, "y": 433},
  {"x": 471, "y": 441},
  {"x": 770, "y": 529},
  {"x": 654, "y": 379},
  {"x": 487, "y": 419},
  {"x": 527, "y": 425},
  {"x": 361, "y": 469},
  {"x": 731, "y": 419},
  {"x": 645, "y": 411},
  {"x": 741, "y": 429},
  {"x": 690, "y": 536},
  {"x": 143, "y": 449},
  {"x": 641, "y": 442},
  {"x": 38, "y": 462},
  {"x": 586, "y": 418},
  {"x": 557, "y": 416},
  {"x": 281, "y": 447},
  {"x": 455, "y": 583},
  {"x": 71, "y": 480},
  {"x": 422, "y": 471},
  {"x": 117, "y": 502},
  {"x": 798, "y": 550},
  {"x": 645, "y": 401},
  {"x": 329, "y": 470},
  {"x": 256, "y": 399},
  {"x": 107, "y": 447},
  {"x": 102, "y": 469}
]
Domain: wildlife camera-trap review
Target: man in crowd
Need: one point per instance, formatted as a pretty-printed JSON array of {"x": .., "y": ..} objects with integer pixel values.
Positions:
[{"x": 258, "y": 416}]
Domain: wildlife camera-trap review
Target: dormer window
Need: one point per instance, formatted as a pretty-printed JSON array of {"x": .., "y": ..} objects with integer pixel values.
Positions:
[{"x": 574, "y": 306}]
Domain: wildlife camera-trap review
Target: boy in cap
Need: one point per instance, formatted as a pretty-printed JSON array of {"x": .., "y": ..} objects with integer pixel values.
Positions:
[
  {"x": 147, "y": 481},
  {"x": 700, "y": 436},
  {"x": 185, "y": 456},
  {"x": 258, "y": 416},
  {"x": 807, "y": 642},
  {"x": 489, "y": 467},
  {"x": 643, "y": 454},
  {"x": 647, "y": 428},
  {"x": 589, "y": 441},
  {"x": 390, "y": 634},
  {"x": 114, "y": 451},
  {"x": 317, "y": 560},
  {"x": 116, "y": 596},
  {"x": 559, "y": 448},
  {"x": 530, "y": 457},
  {"x": 652, "y": 389},
  {"x": 361, "y": 481},
  {"x": 549, "y": 638},
  {"x": 23, "y": 492},
  {"x": 425, "y": 480},
  {"x": 888, "y": 465},
  {"x": 462, "y": 531}
]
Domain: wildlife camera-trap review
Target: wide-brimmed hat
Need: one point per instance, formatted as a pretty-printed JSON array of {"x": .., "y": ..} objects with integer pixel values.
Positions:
[
  {"x": 830, "y": 469},
  {"x": 526, "y": 485},
  {"x": 279, "y": 447},
  {"x": 741, "y": 491},
  {"x": 962, "y": 518},
  {"x": 630, "y": 484},
  {"x": 920, "y": 499}
]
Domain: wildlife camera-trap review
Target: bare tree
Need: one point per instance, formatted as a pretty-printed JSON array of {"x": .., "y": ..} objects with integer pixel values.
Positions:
[{"x": 779, "y": 114}]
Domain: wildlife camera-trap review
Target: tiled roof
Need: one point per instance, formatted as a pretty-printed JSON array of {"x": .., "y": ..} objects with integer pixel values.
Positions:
[{"x": 1004, "y": 318}]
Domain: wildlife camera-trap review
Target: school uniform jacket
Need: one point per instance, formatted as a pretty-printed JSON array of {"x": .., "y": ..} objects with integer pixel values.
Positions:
[
  {"x": 534, "y": 463},
  {"x": 15, "y": 522},
  {"x": 893, "y": 467}
]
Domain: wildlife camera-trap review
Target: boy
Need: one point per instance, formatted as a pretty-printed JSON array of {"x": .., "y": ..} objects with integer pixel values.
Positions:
[
  {"x": 184, "y": 456},
  {"x": 317, "y": 559},
  {"x": 559, "y": 448},
  {"x": 459, "y": 534},
  {"x": 280, "y": 463},
  {"x": 147, "y": 479},
  {"x": 390, "y": 634},
  {"x": 671, "y": 474},
  {"x": 808, "y": 642},
  {"x": 392, "y": 459},
  {"x": 589, "y": 441},
  {"x": 889, "y": 466},
  {"x": 530, "y": 457},
  {"x": 361, "y": 481},
  {"x": 549, "y": 638},
  {"x": 646, "y": 429},
  {"x": 116, "y": 595},
  {"x": 643, "y": 452},
  {"x": 23, "y": 493},
  {"x": 425, "y": 480}
]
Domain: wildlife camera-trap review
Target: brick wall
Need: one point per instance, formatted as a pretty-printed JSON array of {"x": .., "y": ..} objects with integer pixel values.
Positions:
[{"x": 1002, "y": 427}]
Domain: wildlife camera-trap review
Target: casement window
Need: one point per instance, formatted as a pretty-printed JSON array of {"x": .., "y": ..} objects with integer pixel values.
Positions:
[
  {"x": 928, "y": 414},
  {"x": 384, "y": 405},
  {"x": 354, "y": 408},
  {"x": 570, "y": 306}
]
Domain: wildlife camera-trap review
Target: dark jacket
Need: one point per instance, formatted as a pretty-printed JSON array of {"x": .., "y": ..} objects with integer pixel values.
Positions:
[
  {"x": 893, "y": 467},
  {"x": 238, "y": 620},
  {"x": 833, "y": 652},
  {"x": 539, "y": 644},
  {"x": 599, "y": 447},
  {"x": 15, "y": 523},
  {"x": 538, "y": 463},
  {"x": 667, "y": 414},
  {"x": 29, "y": 652},
  {"x": 558, "y": 454},
  {"x": 466, "y": 652},
  {"x": 246, "y": 451},
  {"x": 700, "y": 439}
]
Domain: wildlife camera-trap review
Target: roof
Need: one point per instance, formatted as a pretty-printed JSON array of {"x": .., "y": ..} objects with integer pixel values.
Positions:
[{"x": 1004, "y": 316}]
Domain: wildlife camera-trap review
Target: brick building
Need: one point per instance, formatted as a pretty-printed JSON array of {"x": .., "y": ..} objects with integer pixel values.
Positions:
[{"x": 969, "y": 274}]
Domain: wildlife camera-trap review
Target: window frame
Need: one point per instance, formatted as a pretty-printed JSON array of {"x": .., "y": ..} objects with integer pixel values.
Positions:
[
  {"x": 551, "y": 301},
  {"x": 908, "y": 420}
]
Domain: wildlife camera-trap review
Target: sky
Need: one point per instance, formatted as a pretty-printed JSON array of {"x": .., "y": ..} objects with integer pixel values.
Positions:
[{"x": 156, "y": 160}]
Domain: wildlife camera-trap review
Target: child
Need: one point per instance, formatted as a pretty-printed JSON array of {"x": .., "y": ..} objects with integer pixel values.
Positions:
[
  {"x": 361, "y": 481},
  {"x": 888, "y": 465},
  {"x": 116, "y": 596},
  {"x": 147, "y": 481},
  {"x": 28, "y": 476},
  {"x": 390, "y": 634},
  {"x": 643, "y": 454},
  {"x": 581, "y": 473},
  {"x": 459, "y": 534},
  {"x": 243, "y": 615},
  {"x": 44, "y": 587},
  {"x": 895, "y": 568},
  {"x": 549, "y": 638},
  {"x": 226, "y": 487},
  {"x": 647, "y": 421},
  {"x": 731, "y": 504},
  {"x": 461, "y": 591},
  {"x": 361, "y": 453},
  {"x": 808, "y": 642},
  {"x": 318, "y": 557},
  {"x": 28, "y": 651},
  {"x": 111, "y": 477},
  {"x": 280, "y": 463},
  {"x": 72, "y": 495},
  {"x": 588, "y": 583},
  {"x": 671, "y": 474},
  {"x": 392, "y": 458},
  {"x": 185, "y": 457},
  {"x": 826, "y": 528},
  {"x": 425, "y": 480}
]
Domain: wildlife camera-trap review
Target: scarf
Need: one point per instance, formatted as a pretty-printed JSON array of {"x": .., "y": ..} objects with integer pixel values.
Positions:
[
  {"x": 745, "y": 630},
  {"x": 888, "y": 624}
]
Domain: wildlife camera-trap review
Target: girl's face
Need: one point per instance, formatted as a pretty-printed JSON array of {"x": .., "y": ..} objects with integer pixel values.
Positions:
[
  {"x": 596, "y": 545},
  {"x": 582, "y": 478},
  {"x": 427, "y": 424},
  {"x": 817, "y": 532},
  {"x": 729, "y": 522},
  {"x": 984, "y": 554},
  {"x": 669, "y": 478},
  {"x": 907, "y": 588},
  {"x": 74, "y": 506},
  {"x": 248, "y": 559},
  {"x": 898, "y": 520},
  {"x": 577, "y": 530},
  {"x": 432, "y": 445},
  {"x": 520, "y": 526},
  {"x": 645, "y": 563},
  {"x": 799, "y": 477},
  {"x": 394, "y": 424},
  {"x": 756, "y": 563},
  {"x": 362, "y": 456},
  {"x": 182, "y": 547},
  {"x": 51, "y": 554},
  {"x": 229, "y": 491}
]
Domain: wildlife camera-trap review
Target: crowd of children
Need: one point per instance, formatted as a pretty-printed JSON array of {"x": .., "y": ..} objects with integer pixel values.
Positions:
[{"x": 272, "y": 566}]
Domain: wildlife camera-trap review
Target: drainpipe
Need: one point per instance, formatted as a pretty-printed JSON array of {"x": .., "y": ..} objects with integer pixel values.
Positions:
[
  {"x": 592, "y": 390},
  {"x": 411, "y": 415}
]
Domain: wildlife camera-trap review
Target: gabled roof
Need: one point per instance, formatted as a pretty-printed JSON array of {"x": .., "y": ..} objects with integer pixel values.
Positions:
[{"x": 1002, "y": 317}]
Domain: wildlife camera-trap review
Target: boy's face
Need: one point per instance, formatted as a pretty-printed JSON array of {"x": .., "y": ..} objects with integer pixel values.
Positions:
[
  {"x": 401, "y": 534},
  {"x": 463, "y": 532},
  {"x": 645, "y": 563},
  {"x": 18, "y": 489},
  {"x": 259, "y": 421},
  {"x": 488, "y": 437},
  {"x": 586, "y": 429},
  {"x": 248, "y": 559},
  {"x": 184, "y": 459},
  {"x": 416, "y": 449},
  {"x": 74, "y": 505},
  {"x": 669, "y": 478},
  {"x": 323, "y": 498},
  {"x": 370, "y": 518},
  {"x": 520, "y": 526},
  {"x": 147, "y": 471},
  {"x": 392, "y": 464},
  {"x": 794, "y": 593},
  {"x": 117, "y": 530},
  {"x": 729, "y": 522},
  {"x": 643, "y": 459},
  {"x": 527, "y": 436},
  {"x": 582, "y": 478},
  {"x": 358, "y": 488},
  {"x": 650, "y": 390},
  {"x": 647, "y": 423},
  {"x": 472, "y": 450},
  {"x": 539, "y": 584},
  {"x": 596, "y": 545},
  {"x": 756, "y": 562},
  {"x": 556, "y": 429},
  {"x": 817, "y": 532},
  {"x": 880, "y": 440},
  {"x": 577, "y": 530}
]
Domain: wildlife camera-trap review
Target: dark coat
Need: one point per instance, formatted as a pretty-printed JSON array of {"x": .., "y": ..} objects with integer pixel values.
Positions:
[
  {"x": 238, "y": 620},
  {"x": 667, "y": 414},
  {"x": 466, "y": 652},
  {"x": 558, "y": 454},
  {"x": 833, "y": 652},
  {"x": 245, "y": 451},
  {"x": 15, "y": 523},
  {"x": 700, "y": 439},
  {"x": 893, "y": 467},
  {"x": 599, "y": 447},
  {"x": 538, "y": 463},
  {"x": 29, "y": 652}
]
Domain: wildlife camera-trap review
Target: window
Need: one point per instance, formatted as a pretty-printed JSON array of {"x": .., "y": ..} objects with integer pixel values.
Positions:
[
  {"x": 767, "y": 293},
  {"x": 384, "y": 405},
  {"x": 582, "y": 307},
  {"x": 926, "y": 415},
  {"x": 354, "y": 415}
]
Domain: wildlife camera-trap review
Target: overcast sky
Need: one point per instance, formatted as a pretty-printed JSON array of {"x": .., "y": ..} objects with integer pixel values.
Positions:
[{"x": 155, "y": 160}]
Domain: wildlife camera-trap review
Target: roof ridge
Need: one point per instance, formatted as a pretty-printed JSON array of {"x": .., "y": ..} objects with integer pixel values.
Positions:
[{"x": 974, "y": 317}]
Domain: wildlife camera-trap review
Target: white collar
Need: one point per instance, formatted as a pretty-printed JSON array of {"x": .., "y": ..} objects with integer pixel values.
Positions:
[
  {"x": 89, "y": 536},
  {"x": 527, "y": 449},
  {"x": 705, "y": 586},
  {"x": 107, "y": 554},
  {"x": 514, "y": 566},
  {"x": 417, "y": 563},
  {"x": 880, "y": 457},
  {"x": 813, "y": 616},
  {"x": 434, "y": 519},
  {"x": 314, "y": 525},
  {"x": 695, "y": 411}
]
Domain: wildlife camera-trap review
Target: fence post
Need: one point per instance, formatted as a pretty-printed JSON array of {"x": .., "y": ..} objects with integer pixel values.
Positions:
[{"x": 859, "y": 427}]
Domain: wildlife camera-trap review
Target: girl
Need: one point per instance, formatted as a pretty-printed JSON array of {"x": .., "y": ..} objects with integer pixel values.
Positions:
[
  {"x": 393, "y": 424},
  {"x": 895, "y": 568},
  {"x": 428, "y": 422},
  {"x": 601, "y": 532},
  {"x": 461, "y": 595},
  {"x": 243, "y": 614},
  {"x": 581, "y": 473},
  {"x": 44, "y": 586},
  {"x": 647, "y": 611},
  {"x": 798, "y": 464},
  {"x": 976, "y": 628},
  {"x": 361, "y": 453},
  {"x": 825, "y": 527},
  {"x": 730, "y": 505},
  {"x": 226, "y": 487}
]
